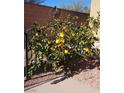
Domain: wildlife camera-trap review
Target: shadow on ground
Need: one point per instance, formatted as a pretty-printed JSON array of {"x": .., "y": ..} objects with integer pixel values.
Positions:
[
  {"x": 82, "y": 66},
  {"x": 42, "y": 79}
]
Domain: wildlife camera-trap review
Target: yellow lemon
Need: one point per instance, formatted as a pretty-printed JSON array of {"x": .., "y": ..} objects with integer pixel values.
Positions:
[
  {"x": 86, "y": 49},
  {"x": 61, "y": 34},
  {"x": 49, "y": 42},
  {"x": 62, "y": 40},
  {"x": 59, "y": 45},
  {"x": 73, "y": 34},
  {"x": 66, "y": 51},
  {"x": 58, "y": 41}
]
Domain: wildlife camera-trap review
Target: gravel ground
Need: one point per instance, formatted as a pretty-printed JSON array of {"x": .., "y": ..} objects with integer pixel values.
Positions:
[
  {"x": 68, "y": 85},
  {"x": 89, "y": 77},
  {"x": 40, "y": 79}
]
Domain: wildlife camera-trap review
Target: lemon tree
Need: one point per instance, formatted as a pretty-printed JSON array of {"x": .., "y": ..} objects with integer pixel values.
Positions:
[{"x": 62, "y": 44}]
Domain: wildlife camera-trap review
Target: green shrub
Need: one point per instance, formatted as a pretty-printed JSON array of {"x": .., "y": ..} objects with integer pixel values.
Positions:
[{"x": 63, "y": 44}]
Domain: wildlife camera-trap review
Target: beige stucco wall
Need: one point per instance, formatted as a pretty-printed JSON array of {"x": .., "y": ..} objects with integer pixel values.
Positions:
[{"x": 95, "y": 7}]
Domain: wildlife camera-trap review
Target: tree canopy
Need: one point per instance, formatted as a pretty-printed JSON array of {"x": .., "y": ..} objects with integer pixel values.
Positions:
[{"x": 77, "y": 5}]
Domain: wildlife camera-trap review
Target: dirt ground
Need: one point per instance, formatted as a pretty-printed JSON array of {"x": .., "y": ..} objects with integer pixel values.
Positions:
[{"x": 89, "y": 77}]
